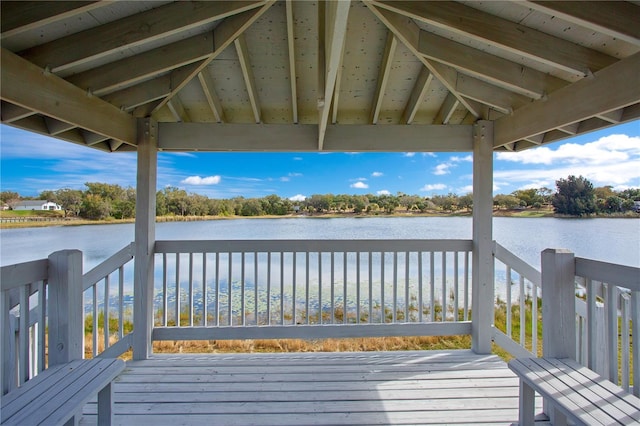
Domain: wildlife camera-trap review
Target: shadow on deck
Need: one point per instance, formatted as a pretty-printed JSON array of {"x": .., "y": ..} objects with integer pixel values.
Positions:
[{"x": 372, "y": 388}]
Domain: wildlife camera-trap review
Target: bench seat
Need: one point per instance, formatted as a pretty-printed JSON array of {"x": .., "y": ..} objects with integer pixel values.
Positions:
[
  {"x": 57, "y": 394},
  {"x": 575, "y": 392}
]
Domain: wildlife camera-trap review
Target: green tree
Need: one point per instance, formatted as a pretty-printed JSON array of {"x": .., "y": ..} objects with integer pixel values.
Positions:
[
  {"x": 466, "y": 201},
  {"x": 9, "y": 197},
  {"x": 94, "y": 207},
  {"x": 575, "y": 196},
  {"x": 70, "y": 200}
]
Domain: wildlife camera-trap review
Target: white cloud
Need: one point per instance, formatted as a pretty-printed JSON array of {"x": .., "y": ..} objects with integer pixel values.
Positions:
[
  {"x": 434, "y": 187},
  {"x": 442, "y": 169},
  {"x": 468, "y": 158},
  {"x": 297, "y": 158},
  {"x": 383, "y": 192},
  {"x": 377, "y": 174},
  {"x": 359, "y": 185},
  {"x": 409, "y": 154},
  {"x": 197, "y": 180},
  {"x": 298, "y": 197}
]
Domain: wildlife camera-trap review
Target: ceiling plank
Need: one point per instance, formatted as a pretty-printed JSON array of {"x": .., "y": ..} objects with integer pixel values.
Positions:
[
  {"x": 617, "y": 19},
  {"x": 210, "y": 93},
  {"x": 501, "y": 72},
  {"x": 20, "y": 16},
  {"x": 500, "y": 32},
  {"x": 607, "y": 90},
  {"x": 247, "y": 73},
  {"x": 292, "y": 60},
  {"x": 335, "y": 24},
  {"x": 126, "y": 72},
  {"x": 26, "y": 85},
  {"x": 383, "y": 76},
  {"x": 303, "y": 137},
  {"x": 418, "y": 93},
  {"x": 409, "y": 34},
  {"x": 223, "y": 35},
  {"x": 134, "y": 30}
]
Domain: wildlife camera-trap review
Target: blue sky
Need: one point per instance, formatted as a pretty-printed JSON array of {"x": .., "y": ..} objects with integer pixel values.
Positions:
[{"x": 30, "y": 164}]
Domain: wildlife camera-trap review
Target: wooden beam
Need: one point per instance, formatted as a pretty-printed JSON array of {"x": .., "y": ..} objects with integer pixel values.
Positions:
[
  {"x": 135, "y": 69},
  {"x": 383, "y": 76},
  {"x": 303, "y": 137},
  {"x": 335, "y": 21},
  {"x": 336, "y": 91},
  {"x": 292, "y": 60},
  {"x": 210, "y": 93},
  {"x": 618, "y": 19},
  {"x": 494, "y": 69},
  {"x": 447, "y": 109},
  {"x": 177, "y": 110},
  {"x": 516, "y": 38},
  {"x": 418, "y": 93},
  {"x": 10, "y": 112},
  {"x": 56, "y": 126},
  {"x": 223, "y": 35},
  {"x": 608, "y": 90},
  {"x": 140, "y": 94},
  {"x": 20, "y": 16},
  {"x": 408, "y": 32},
  {"x": 131, "y": 31},
  {"x": 247, "y": 74},
  {"x": 26, "y": 85},
  {"x": 488, "y": 94}
]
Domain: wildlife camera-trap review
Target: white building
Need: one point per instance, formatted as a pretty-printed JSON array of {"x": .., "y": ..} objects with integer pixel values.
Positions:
[{"x": 36, "y": 205}]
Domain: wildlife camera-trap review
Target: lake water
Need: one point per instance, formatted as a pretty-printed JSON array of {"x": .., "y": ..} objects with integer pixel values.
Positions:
[{"x": 610, "y": 240}]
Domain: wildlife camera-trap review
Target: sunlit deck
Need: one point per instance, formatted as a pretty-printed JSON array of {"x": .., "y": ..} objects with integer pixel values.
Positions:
[{"x": 418, "y": 387}]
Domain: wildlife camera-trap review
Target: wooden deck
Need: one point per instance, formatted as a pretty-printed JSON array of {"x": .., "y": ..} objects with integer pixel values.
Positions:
[{"x": 432, "y": 387}]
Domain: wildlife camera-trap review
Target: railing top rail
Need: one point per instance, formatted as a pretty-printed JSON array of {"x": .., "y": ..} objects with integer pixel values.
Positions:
[
  {"x": 13, "y": 276},
  {"x": 108, "y": 266},
  {"x": 610, "y": 273},
  {"x": 517, "y": 264},
  {"x": 374, "y": 245}
]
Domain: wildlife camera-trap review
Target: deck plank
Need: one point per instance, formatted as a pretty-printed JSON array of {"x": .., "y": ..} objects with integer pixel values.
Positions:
[{"x": 376, "y": 388}]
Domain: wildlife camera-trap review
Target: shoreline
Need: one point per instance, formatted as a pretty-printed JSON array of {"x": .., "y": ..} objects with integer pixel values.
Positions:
[{"x": 542, "y": 213}]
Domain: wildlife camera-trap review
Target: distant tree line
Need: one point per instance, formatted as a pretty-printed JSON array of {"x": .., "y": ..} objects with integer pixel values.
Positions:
[{"x": 574, "y": 196}]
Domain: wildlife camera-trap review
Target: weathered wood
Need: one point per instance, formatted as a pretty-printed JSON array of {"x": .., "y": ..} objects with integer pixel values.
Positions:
[
  {"x": 66, "y": 334},
  {"x": 108, "y": 266},
  {"x": 517, "y": 264},
  {"x": 611, "y": 273},
  {"x": 13, "y": 276},
  {"x": 482, "y": 258},
  {"x": 57, "y": 394},
  {"x": 145, "y": 233}
]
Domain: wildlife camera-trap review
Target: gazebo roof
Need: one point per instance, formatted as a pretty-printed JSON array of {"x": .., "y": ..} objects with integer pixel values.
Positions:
[{"x": 319, "y": 75}]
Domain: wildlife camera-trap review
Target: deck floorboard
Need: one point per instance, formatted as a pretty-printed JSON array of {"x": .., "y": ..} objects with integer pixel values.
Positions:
[{"x": 372, "y": 388}]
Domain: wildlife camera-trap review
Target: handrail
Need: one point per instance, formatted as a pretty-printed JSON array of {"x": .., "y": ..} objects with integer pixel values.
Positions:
[{"x": 287, "y": 284}]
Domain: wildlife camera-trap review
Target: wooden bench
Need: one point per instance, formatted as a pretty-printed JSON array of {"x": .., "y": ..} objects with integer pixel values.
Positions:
[
  {"x": 57, "y": 395},
  {"x": 574, "y": 392}
]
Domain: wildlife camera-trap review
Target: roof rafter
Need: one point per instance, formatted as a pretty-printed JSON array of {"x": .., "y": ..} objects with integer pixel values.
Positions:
[
  {"x": 607, "y": 90},
  {"x": 501, "y": 72},
  {"x": 131, "y": 31},
  {"x": 292, "y": 60},
  {"x": 177, "y": 110},
  {"x": 126, "y": 72},
  {"x": 26, "y": 85},
  {"x": 20, "y": 16},
  {"x": 447, "y": 109},
  {"x": 418, "y": 93},
  {"x": 508, "y": 35},
  {"x": 617, "y": 19},
  {"x": 383, "y": 76},
  {"x": 409, "y": 33},
  {"x": 335, "y": 24},
  {"x": 488, "y": 94},
  {"x": 140, "y": 94},
  {"x": 210, "y": 93},
  {"x": 223, "y": 35},
  {"x": 247, "y": 73}
]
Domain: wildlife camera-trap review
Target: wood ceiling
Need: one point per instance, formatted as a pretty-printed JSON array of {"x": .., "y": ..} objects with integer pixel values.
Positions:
[{"x": 286, "y": 75}]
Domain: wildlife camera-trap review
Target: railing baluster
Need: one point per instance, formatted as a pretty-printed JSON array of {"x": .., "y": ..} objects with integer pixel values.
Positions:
[
  {"x": 456, "y": 307},
  {"x": 269, "y": 288},
  {"x": 105, "y": 308},
  {"x": 591, "y": 324},
  {"x": 635, "y": 336},
  {"x": 216, "y": 306},
  {"x": 120, "y": 302},
  {"x": 357, "y": 287},
  {"x": 255, "y": 287},
  {"x": 42, "y": 321},
  {"x": 383, "y": 310},
  {"x": 293, "y": 269},
  {"x": 281, "y": 288},
  {"x": 344, "y": 288},
  {"x": 242, "y": 285},
  {"x": 508, "y": 301},
  {"x": 612, "y": 331},
  {"x": 420, "y": 295},
  {"x": 165, "y": 296},
  {"x": 523, "y": 308},
  {"x": 205, "y": 296},
  {"x": 444, "y": 286},
  {"x": 395, "y": 287},
  {"x": 370, "y": 319},
  {"x": 190, "y": 289},
  {"x": 306, "y": 288},
  {"x": 320, "y": 319},
  {"x": 177, "y": 309},
  {"x": 534, "y": 319},
  {"x": 624, "y": 331},
  {"x": 230, "y": 290},
  {"x": 95, "y": 320},
  {"x": 23, "y": 334},
  {"x": 466, "y": 286},
  {"x": 407, "y": 296},
  {"x": 432, "y": 287}
]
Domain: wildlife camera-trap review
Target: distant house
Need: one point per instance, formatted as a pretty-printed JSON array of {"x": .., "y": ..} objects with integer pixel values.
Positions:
[
  {"x": 636, "y": 206},
  {"x": 36, "y": 205}
]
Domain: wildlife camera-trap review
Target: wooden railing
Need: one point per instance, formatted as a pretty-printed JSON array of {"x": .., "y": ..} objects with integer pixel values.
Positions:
[
  {"x": 43, "y": 312},
  {"x": 591, "y": 310},
  {"x": 311, "y": 289}
]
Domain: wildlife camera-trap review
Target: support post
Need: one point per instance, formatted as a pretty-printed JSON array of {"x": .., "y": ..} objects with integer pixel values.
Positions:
[
  {"x": 145, "y": 236},
  {"x": 66, "y": 331},
  {"x": 482, "y": 258},
  {"x": 558, "y": 304}
]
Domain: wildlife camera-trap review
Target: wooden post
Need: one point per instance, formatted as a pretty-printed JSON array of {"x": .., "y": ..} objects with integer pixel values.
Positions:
[
  {"x": 145, "y": 235},
  {"x": 482, "y": 258},
  {"x": 66, "y": 327},
  {"x": 558, "y": 304}
]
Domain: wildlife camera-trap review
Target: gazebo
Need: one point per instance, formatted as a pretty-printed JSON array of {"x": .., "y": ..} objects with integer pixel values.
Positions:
[{"x": 316, "y": 76}]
